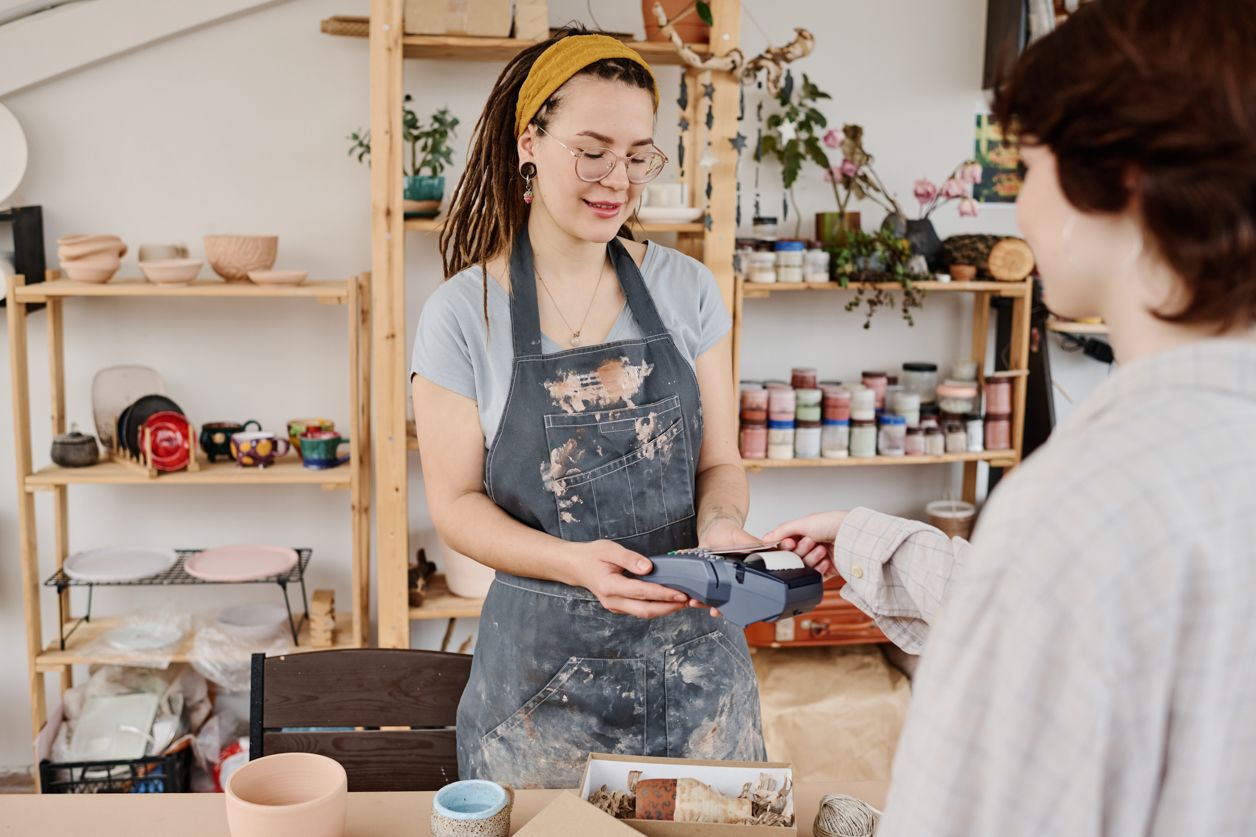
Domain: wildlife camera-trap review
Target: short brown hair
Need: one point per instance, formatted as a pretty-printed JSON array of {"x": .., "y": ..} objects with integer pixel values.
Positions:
[{"x": 1155, "y": 101}]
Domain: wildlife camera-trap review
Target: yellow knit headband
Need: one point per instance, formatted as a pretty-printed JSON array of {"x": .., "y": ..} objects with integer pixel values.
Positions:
[{"x": 562, "y": 61}]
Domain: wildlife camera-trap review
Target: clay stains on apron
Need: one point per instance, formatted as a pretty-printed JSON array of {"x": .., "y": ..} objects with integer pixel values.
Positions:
[{"x": 615, "y": 381}]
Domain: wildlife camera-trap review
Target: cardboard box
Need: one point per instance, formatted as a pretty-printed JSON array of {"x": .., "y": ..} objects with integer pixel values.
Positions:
[
  {"x": 484, "y": 18},
  {"x": 728, "y": 777},
  {"x": 569, "y": 814}
]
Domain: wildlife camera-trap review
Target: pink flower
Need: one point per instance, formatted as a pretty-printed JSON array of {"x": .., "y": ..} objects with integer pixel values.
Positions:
[
  {"x": 970, "y": 172},
  {"x": 849, "y": 169},
  {"x": 968, "y": 208},
  {"x": 833, "y": 138},
  {"x": 832, "y": 175},
  {"x": 952, "y": 188},
  {"x": 925, "y": 191}
]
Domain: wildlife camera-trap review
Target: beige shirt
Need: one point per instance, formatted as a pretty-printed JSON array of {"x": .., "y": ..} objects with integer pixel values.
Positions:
[{"x": 1091, "y": 657}]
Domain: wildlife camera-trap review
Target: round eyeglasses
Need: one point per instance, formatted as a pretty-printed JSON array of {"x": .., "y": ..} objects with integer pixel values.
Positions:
[{"x": 596, "y": 164}]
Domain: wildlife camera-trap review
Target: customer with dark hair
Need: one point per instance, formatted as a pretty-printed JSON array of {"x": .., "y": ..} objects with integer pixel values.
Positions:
[{"x": 1090, "y": 660}]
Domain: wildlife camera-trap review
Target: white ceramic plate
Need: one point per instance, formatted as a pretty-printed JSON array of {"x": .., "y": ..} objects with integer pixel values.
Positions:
[
  {"x": 13, "y": 154},
  {"x": 115, "y": 388},
  {"x": 241, "y": 563},
  {"x": 145, "y": 636},
  {"x": 119, "y": 563},
  {"x": 669, "y": 214},
  {"x": 253, "y": 622}
]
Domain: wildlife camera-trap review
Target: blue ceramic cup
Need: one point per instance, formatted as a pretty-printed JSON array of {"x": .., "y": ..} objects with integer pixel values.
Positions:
[{"x": 472, "y": 807}]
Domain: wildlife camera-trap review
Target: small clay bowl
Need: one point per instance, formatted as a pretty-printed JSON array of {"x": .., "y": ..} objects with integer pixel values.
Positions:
[{"x": 963, "y": 272}]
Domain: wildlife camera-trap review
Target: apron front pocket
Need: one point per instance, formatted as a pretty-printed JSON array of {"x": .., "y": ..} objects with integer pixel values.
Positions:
[
  {"x": 589, "y": 706},
  {"x": 712, "y": 700},
  {"x": 617, "y": 474}
]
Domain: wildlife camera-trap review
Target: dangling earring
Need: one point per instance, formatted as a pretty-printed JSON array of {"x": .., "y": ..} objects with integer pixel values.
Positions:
[{"x": 528, "y": 170}]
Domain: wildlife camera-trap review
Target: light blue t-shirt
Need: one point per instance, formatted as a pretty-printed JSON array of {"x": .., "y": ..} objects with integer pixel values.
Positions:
[{"x": 453, "y": 349}]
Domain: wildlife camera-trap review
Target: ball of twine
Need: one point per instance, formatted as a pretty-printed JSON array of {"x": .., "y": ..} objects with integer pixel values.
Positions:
[{"x": 845, "y": 816}]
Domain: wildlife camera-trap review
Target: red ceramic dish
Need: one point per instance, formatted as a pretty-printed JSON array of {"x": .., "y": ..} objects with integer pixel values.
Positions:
[{"x": 171, "y": 447}]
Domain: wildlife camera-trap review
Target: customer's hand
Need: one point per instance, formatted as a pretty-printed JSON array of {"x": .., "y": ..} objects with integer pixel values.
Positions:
[
  {"x": 599, "y": 566},
  {"x": 811, "y": 538}
]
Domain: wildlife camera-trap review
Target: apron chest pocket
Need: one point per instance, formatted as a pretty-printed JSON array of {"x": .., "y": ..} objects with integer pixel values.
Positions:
[{"x": 617, "y": 474}]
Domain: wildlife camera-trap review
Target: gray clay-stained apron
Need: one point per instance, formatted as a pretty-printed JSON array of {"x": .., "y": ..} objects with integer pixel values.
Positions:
[{"x": 598, "y": 442}]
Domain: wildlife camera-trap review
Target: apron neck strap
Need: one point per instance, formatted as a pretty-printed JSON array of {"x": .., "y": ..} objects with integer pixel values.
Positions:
[{"x": 525, "y": 316}]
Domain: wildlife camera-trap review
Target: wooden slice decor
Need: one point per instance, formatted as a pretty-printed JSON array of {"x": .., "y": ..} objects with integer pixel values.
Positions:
[{"x": 1011, "y": 260}]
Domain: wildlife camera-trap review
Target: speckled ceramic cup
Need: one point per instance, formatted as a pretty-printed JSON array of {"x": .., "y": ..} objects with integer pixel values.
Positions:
[{"x": 472, "y": 808}]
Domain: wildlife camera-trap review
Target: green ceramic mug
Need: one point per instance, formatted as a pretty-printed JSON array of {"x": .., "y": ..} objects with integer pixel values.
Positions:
[
  {"x": 296, "y": 427},
  {"x": 319, "y": 447}
]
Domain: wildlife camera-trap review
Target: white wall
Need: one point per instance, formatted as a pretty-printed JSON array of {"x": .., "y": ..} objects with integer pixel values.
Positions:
[{"x": 241, "y": 126}]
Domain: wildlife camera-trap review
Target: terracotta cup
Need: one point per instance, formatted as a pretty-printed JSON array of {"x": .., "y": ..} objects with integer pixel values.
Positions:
[
  {"x": 288, "y": 793},
  {"x": 257, "y": 448},
  {"x": 472, "y": 808}
]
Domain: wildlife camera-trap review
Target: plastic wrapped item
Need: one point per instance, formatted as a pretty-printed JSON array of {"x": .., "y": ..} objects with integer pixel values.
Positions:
[
  {"x": 143, "y": 639},
  {"x": 225, "y": 659}
]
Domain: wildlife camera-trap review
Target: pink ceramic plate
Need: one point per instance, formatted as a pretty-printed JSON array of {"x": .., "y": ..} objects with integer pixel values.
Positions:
[{"x": 241, "y": 563}]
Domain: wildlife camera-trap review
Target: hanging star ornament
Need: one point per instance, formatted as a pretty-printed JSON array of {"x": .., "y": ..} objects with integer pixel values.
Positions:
[
  {"x": 707, "y": 160},
  {"x": 738, "y": 142},
  {"x": 788, "y": 131},
  {"x": 708, "y": 91}
]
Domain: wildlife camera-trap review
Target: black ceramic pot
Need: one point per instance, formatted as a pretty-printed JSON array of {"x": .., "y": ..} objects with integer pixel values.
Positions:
[
  {"x": 75, "y": 450},
  {"x": 924, "y": 241}
]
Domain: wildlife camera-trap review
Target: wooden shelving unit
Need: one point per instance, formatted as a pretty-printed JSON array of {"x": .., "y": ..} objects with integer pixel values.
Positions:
[
  {"x": 46, "y": 659},
  {"x": 1020, "y": 295},
  {"x": 389, "y": 48},
  {"x": 1072, "y": 327}
]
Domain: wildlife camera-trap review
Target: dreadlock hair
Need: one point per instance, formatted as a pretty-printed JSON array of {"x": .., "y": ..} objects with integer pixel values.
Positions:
[{"x": 487, "y": 209}]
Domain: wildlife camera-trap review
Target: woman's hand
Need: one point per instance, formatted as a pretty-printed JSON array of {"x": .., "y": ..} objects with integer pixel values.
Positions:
[
  {"x": 599, "y": 566},
  {"x": 811, "y": 539}
]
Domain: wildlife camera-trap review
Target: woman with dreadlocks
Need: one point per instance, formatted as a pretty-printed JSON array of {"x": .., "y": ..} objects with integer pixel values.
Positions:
[{"x": 560, "y": 379}]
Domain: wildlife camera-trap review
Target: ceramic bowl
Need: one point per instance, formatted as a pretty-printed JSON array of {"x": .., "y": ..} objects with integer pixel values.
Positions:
[
  {"x": 233, "y": 256},
  {"x": 95, "y": 269},
  {"x": 91, "y": 245},
  {"x": 253, "y": 622},
  {"x": 277, "y": 277},
  {"x": 288, "y": 793},
  {"x": 171, "y": 271}
]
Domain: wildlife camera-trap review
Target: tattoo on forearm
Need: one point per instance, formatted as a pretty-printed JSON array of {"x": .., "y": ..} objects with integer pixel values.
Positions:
[{"x": 717, "y": 513}]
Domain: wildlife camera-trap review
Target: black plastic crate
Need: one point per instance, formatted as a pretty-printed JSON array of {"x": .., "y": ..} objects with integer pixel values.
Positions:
[{"x": 154, "y": 774}]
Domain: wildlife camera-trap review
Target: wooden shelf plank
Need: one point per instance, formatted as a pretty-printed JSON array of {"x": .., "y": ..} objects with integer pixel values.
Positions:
[
  {"x": 424, "y": 224},
  {"x": 287, "y": 471},
  {"x": 79, "y": 647},
  {"x": 471, "y": 48},
  {"x": 758, "y": 290},
  {"x": 1070, "y": 327},
  {"x": 334, "y": 290},
  {"x": 441, "y": 604},
  {"x": 997, "y": 458}
]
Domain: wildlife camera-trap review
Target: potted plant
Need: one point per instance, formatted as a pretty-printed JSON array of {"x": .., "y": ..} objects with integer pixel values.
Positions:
[
  {"x": 429, "y": 152},
  {"x": 919, "y": 231},
  {"x": 797, "y": 134},
  {"x": 873, "y": 259}
]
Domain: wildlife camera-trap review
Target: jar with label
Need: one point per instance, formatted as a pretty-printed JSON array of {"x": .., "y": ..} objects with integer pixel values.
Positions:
[
  {"x": 965, "y": 371},
  {"x": 807, "y": 440},
  {"x": 877, "y": 382},
  {"x": 863, "y": 438},
  {"x": 741, "y": 258},
  {"x": 808, "y": 405},
  {"x": 754, "y": 405},
  {"x": 999, "y": 396},
  {"x": 782, "y": 404},
  {"x": 780, "y": 439},
  {"x": 789, "y": 257},
  {"x": 762, "y": 267},
  {"x": 998, "y": 432},
  {"x": 956, "y": 438},
  {"x": 764, "y": 227},
  {"x": 921, "y": 378},
  {"x": 835, "y": 438},
  {"x": 754, "y": 440},
  {"x": 907, "y": 405},
  {"x": 893, "y": 437},
  {"x": 803, "y": 377},
  {"x": 935, "y": 443},
  {"x": 914, "y": 443},
  {"x": 976, "y": 434},
  {"x": 816, "y": 265},
  {"x": 957, "y": 397},
  {"x": 863, "y": 404}
]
